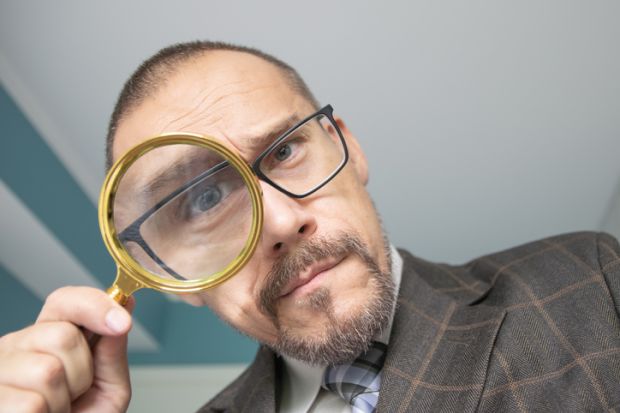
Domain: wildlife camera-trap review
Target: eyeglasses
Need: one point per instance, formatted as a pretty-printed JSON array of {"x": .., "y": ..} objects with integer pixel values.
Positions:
[
  {"x": 298, "y": 163},
  {"x": 306, "y": 157}
]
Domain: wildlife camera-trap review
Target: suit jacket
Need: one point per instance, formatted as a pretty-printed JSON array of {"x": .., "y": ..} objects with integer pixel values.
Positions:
[{"x": 534, "y": 328}]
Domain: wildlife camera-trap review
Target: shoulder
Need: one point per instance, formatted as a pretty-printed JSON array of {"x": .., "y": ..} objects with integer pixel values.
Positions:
[
  {"x": 571, "y": 265},
  {"x": 535, "y": 270},
  {"x": 557, "y": 342}
]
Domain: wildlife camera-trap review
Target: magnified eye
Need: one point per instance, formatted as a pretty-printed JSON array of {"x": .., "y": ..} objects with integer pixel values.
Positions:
[
  {"x": 208, "y": 198},
  {"x": 206, "y": 202}
]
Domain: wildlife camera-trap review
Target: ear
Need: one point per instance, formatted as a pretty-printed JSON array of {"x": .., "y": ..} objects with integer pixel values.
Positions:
[{"x": 356, "y": 155}]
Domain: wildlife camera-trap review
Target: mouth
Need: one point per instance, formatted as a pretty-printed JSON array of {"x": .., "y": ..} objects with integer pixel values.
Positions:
[{"x": 310, "y": 277}]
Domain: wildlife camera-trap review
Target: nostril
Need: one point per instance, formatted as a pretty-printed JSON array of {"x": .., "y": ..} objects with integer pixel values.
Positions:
[
  {"x": 277, "y": 246},
  {"x": 302, "y": 229}
]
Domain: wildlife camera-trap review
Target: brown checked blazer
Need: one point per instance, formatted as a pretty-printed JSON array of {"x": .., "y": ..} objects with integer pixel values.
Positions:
[{"x": 534, "y": 328}]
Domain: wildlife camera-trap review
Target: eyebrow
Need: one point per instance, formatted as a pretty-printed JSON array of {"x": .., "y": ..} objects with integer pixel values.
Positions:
[{"x": 255, "y": 144}]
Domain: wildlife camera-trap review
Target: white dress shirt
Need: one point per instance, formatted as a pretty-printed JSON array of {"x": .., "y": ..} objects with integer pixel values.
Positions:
[{"x": 301, "y": 382}]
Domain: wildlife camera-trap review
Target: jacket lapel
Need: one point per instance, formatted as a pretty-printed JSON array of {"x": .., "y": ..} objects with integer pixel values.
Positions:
[{"x": 439, "y": 346}]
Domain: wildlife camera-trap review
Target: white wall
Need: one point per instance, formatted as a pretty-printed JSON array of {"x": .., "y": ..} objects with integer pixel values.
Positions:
[
  {"x": 178, "y": 388},
  {"x": 486, "y": 123},
  {"x": 611, "y": 223}
]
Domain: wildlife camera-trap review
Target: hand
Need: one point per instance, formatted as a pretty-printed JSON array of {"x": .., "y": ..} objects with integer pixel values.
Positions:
[{"x": 49, "y": 367}]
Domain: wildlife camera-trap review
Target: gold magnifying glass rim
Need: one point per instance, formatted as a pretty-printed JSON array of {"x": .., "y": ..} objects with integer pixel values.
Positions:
[{"x": 127, "y": 264}]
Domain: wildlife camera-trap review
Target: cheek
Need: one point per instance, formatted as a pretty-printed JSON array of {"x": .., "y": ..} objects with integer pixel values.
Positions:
[
  {"x": 349, "y": 190},
  {"x": 346, "y": 202},
  {"x": 347, "y": 206}
]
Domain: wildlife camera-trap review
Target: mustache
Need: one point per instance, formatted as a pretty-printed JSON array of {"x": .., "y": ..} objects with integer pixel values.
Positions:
[{"x": 290, "y": 265}]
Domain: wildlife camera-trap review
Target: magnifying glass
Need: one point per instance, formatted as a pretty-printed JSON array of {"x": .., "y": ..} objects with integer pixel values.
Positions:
[{"x": 179, "y": 213}]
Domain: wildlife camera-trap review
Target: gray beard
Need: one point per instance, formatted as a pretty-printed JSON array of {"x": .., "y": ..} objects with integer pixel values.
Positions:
[{"x": 343, "y": 339}]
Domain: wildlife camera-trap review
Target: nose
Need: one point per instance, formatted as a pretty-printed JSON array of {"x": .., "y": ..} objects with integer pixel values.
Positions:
[{"x": 286, "y": 221}]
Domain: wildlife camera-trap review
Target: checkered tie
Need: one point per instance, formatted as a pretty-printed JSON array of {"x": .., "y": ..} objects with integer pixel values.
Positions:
[{"x": 358, "y": 383}]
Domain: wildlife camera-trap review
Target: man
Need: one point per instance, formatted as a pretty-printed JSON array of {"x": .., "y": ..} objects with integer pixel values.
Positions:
[{"x": 533, "y": 328}]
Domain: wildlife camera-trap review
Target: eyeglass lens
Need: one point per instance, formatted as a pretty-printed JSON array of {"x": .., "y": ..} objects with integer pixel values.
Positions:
[{"x": 305, "y": 157}]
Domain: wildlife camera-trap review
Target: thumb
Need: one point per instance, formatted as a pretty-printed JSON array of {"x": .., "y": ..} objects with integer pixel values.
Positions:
[
  {"x": 87, "y": 307},
  {"x": 110, "y": 356},
  {"x": 111, "y": 385}
]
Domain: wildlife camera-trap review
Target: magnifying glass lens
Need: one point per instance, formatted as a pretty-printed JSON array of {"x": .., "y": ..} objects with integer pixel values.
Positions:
[{"x": 182, "y": 212}]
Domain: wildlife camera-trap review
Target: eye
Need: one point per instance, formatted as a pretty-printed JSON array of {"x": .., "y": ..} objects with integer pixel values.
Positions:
[
  {"x": 283, "y": 152},
  {"x": 287, "y": 155},
  {"x": 206, "y": 199}
]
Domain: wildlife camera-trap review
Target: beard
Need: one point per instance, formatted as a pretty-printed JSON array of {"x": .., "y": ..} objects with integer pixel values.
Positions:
[{"x": 345, "y": 337}]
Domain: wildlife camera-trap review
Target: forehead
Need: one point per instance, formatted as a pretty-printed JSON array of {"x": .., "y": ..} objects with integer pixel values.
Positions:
[{"x": 231, "y": 96}]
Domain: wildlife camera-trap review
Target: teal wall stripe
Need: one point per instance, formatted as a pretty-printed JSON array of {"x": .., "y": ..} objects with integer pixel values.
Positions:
[
  {"x": 40, "y": 180},
  {"x": 18, "y": 305},
  {"x": 192, "y": 335},
  {"x": 196, "y": 335}
]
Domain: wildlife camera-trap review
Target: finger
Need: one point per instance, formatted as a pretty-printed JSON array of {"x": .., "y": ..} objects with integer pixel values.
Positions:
[
  {"x": 112, "y": 367},
  {"x": 111, "y": 375},
  {"x": 38, "y": 372},
  {"x": 87, "y": 307},
  {"x": 64, "y": 341},
  {"x": 13, "y": 399},
  {"x": 111, "y": 353},
  {"x": 111, "y": 360}
]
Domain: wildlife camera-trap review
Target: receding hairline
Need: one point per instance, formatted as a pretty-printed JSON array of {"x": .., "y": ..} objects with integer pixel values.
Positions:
[
  {"x": 155, "y": 72},
  {"x": 163, "y": 73}
]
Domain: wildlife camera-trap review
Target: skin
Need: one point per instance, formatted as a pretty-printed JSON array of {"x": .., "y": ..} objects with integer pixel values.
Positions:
[
  {"x": 49, "y": 367},
  {"x": 236, "y": 98}
]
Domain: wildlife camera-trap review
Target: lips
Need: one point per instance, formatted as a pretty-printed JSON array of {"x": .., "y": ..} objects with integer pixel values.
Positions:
[{"x": 309, "y": 274}]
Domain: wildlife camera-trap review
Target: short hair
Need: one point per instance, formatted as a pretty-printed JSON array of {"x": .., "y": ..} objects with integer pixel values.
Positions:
[{"x": 152, "y": 73}]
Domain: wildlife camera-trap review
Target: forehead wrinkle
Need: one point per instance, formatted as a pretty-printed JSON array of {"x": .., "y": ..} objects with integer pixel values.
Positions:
[
  {"x": 203, "y": 112},
  {"x": 200, "y": 104},
  {"x": 186, "y": 114}
]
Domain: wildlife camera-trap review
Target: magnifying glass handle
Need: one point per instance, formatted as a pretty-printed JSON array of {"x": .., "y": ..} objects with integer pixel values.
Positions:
[{"x": 118, "y": 294}]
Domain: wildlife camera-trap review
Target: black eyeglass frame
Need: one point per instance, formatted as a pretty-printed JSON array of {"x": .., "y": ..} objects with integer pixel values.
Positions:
[
  {"x": 327, "y": 111},
  {"x": 132, "y": 232}
]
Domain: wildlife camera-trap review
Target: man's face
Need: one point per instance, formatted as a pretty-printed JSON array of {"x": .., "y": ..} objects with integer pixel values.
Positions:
[{"x": 320, "y": 266}]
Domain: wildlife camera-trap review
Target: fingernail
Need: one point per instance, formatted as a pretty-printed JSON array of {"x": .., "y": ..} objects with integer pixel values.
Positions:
[{"x": 117, "y": 320}]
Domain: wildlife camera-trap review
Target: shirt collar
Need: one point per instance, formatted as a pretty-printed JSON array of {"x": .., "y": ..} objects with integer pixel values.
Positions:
[{"x": 302, "y": 381}]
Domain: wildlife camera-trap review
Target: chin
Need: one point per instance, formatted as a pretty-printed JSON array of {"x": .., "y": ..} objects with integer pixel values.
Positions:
[{"x": 338, "y": 336}]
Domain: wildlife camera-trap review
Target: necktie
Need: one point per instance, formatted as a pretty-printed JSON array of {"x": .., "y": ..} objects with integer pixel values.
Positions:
[{"x": 358, "y": 383}]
